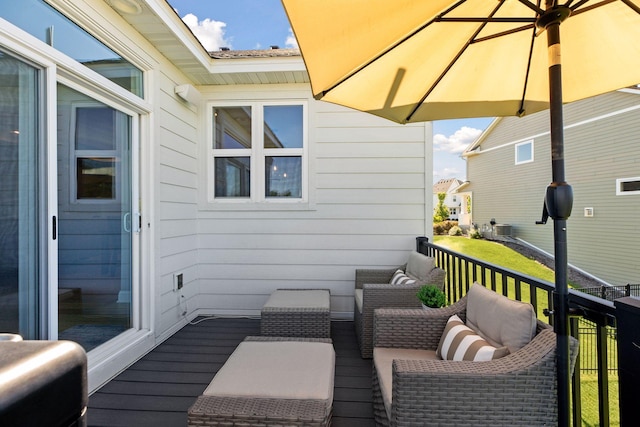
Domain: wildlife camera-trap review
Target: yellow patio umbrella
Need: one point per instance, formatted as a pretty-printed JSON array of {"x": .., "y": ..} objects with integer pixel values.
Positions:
[{"x": 420, "y": 60}]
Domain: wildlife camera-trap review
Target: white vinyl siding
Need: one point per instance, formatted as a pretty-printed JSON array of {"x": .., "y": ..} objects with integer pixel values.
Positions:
[{"x": 366, "y": 207}]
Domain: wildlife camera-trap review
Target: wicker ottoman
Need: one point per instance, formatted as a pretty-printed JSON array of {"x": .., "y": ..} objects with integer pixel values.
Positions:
[
  {"x": 270, "y": 381},
  {"x": 297, "y": 313}
]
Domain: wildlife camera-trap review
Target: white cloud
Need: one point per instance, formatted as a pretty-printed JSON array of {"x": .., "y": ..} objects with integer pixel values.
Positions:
[
  {"x": 291, "y": 41},
  {"x": 457, "y": 142},
  {"x": 209, "y": 32}
]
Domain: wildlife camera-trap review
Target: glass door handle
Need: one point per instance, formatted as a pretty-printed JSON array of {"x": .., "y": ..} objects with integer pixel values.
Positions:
[{"x": 126, "y": 222}]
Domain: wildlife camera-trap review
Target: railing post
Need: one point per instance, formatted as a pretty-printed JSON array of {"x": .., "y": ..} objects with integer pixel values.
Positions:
[
  {"x": 628, "y": 319},
  {"x": 603, "y": 373},
  {"x": 419, "y": 244},
  {"x": 576, "y": 396}
]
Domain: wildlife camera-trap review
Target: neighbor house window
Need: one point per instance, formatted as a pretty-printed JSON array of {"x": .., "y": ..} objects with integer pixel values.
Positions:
[
  {"x": 95, "y": 159},
  {"x": 524, "y": 152},
  {"x": 627, "y": 186},
  {"x": 258, "y": 152}
]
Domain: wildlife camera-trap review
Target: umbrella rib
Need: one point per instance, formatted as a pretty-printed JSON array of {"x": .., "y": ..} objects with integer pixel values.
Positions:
[
  {"x": 532, "y": 6},
  {"x": 453, "y": 61},
  {"x": 526, "y": 78},
  {"x": 631, "y": 5},
  {"x": 389, "y": 49},
  {"x": 504, "y": 33},
  {"x": 574, "y": 10}
]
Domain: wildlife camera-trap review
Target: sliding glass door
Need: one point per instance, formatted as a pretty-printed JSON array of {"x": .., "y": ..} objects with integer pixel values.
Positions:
[
  {"x": 95, "y": 221},
  {"x": 20, "y": 202}
]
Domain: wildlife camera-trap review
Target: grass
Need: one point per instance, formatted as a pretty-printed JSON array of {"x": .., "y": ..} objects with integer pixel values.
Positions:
[{"x": 503, "y": 256}]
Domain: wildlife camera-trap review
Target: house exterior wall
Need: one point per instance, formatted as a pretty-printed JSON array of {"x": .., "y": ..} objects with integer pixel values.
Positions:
[
  {"x": 367, "y": 203},
  {"x": 601, "y": 145},
  {"x": 369, "y": 192}
]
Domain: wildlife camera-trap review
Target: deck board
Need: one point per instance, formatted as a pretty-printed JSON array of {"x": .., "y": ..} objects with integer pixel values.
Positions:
[{"x": 158, "y": 389}]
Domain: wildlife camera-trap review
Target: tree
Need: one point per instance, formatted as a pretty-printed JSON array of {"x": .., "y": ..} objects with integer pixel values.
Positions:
[{"x": 440, "y": 212}]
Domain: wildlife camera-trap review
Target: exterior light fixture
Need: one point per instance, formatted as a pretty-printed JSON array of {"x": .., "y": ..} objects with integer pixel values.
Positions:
[{"x": 128, "y": 7}]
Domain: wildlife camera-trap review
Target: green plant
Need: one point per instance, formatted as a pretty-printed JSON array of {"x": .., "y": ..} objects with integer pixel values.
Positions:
[
  {"x": 440, "y": 212},
  {"x": 432, "y": 296},
  {"x": 441, "y": 228},
  {"x": 474, "y": 233},
  {"x": 455, "y": 231}
]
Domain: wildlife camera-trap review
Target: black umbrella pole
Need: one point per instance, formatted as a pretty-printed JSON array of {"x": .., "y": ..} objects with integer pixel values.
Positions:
[{"x": 559, "y": 201}]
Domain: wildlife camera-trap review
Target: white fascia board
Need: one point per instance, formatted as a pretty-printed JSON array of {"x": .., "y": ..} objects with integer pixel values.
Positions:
[
  {"x": 469, "y": 151},
  {"x": 171, "y": 19},
  {"x": 256, "y": 65}
]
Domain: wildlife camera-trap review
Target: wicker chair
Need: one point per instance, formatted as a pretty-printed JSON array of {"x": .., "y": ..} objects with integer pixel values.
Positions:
[
  {"x": 373, "y": 290},
  {"x": 518, "y": 389}
]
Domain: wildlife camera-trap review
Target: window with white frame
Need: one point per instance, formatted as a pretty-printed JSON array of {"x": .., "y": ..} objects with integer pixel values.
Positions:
[
  {"x": 95, "y": 153},
  {"x": 524, "y": 152},
  {"x": 627, "y": 186},
  {"x": 258, "y": 152}
]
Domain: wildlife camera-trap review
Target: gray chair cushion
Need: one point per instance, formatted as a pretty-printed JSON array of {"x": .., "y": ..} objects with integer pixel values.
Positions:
[{"x": 500, "y": 320}]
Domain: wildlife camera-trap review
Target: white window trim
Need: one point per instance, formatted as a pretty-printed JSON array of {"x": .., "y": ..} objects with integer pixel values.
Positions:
[
  {"x": 619, "y": 182},
  {"x": 529, "y": 142},
  {"x": 258, "y": 153}
]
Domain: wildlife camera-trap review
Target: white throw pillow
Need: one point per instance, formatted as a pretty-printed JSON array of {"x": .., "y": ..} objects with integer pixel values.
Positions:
[
  {"x": 399, "y": 278},
  {"x": 459, "y": 342}
]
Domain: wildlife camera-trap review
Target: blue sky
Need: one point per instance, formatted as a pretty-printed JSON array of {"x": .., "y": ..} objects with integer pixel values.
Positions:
[{"x": 258, "y": 24}]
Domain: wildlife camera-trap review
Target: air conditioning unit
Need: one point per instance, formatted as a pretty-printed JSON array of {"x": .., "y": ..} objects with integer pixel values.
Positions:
[{"x": 502, "y": 230}]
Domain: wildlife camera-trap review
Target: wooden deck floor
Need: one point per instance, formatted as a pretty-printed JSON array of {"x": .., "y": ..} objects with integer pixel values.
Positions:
[{"x": 157, "y": 390}]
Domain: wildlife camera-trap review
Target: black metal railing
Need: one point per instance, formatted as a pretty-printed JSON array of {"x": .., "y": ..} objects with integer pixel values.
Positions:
[
  {"x": 463, "y": 271},
  {"x": 611, "y": 293}
]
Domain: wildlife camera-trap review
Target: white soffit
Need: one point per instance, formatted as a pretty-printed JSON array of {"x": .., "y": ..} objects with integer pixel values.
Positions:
[{"x": 159, "y": 23}]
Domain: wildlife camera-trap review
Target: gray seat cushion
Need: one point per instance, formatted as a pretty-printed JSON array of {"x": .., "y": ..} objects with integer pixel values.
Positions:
[
  {"x": 278, "y": 369},
  {"x": 383, "y": 359},
  {"x": 299, "y": 298}
]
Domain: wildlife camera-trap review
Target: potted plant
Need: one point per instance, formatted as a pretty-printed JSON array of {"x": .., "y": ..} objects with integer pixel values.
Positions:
[{"x": 431, "y": 296}]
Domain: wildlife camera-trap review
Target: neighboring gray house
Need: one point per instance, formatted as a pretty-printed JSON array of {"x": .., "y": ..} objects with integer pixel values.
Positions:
[
  {"x": 509, "y": 168},
  {"x": 452, "y": 201}
]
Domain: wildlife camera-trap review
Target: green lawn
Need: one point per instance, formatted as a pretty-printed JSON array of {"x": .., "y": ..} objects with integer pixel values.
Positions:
[
  {"x": 495, "y": 253},
  {"x": 503, "y": 256}
]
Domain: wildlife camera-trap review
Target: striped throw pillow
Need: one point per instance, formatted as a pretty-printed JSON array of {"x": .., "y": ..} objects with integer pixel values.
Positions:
[
  {"x": 399, "y": 278},
  {"x": 459, "y": 342}
]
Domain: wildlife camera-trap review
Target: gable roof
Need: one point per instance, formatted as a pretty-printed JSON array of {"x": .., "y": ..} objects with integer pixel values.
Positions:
[{"x": 446, "y": 185}]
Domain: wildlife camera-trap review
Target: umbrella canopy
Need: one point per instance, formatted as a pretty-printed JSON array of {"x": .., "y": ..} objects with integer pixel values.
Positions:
[
  {"x": 416, "y": 60},
  {"x": 419, "y": 60}
]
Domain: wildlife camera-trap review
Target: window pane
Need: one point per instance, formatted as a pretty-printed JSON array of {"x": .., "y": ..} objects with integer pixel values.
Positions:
[
  {"x": 283, "y": 177},
  {"x": 20, "y": 207},
  {"x": 232, "y": 127},
  {"x": 630, "y": 186},
  {"x": 283, "y": 126},
  {"x": 524, "y": 152},
  {"x": 47, "y": 24},
  {"x": 95, "y": 128},
  {"x": 233, "y": 176},
  {"x": 96, "y": 178}
]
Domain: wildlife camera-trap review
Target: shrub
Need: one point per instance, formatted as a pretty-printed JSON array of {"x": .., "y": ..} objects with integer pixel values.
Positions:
[
  {"x": 442, "y": 228},
  {"x": 455, "y": 231},
  {"x": 475, "y": 234},
  {"x": 431, "y": 296}
]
